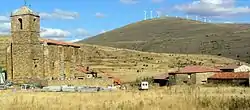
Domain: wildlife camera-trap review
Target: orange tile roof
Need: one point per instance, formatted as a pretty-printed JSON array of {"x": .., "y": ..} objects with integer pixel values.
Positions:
[
  {"x": 230, "y": 75},
  {"x": 49, "y": 41},
  {"x": 196, "y": 69}
]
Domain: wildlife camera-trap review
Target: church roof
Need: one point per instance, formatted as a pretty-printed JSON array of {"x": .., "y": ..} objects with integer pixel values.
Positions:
[
  {"x": 55, "y": 42},
  {"x": 23, "y": 10}
]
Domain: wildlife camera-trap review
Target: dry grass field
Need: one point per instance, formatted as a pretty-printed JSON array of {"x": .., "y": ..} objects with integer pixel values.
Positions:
[
  {"x": 167, "y": 98},
  {"x": 130, "y": 64}
]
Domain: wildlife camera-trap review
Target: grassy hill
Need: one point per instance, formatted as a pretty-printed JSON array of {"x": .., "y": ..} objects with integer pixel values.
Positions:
[{"x": 176, "y": 35}]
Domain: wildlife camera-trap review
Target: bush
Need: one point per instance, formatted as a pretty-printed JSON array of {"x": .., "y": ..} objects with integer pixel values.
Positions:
[{"x": 39, "y": 83}]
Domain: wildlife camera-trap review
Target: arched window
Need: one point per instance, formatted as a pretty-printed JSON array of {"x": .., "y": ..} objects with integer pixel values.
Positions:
[{"x": 21, "y": 23}]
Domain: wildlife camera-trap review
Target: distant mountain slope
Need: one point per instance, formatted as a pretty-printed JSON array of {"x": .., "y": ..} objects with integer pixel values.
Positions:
[{"x": 171, "y": 35}]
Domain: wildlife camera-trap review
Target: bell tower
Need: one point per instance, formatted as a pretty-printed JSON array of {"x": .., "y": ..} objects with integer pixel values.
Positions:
[{"x": 26, "y": 49}]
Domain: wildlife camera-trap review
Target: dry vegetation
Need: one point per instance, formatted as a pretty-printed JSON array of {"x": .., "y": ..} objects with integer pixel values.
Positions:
[
  {"x": 176, "y": 98},
  {"x": 180, "y": 36},
  {"x": 130, "y": 65}
]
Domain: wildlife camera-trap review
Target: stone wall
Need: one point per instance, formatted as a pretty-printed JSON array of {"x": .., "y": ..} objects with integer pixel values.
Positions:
[
  {"x": 201, "y": 78},
  {"x": 183, "y": 78},
  {"x": 27, "y": 58}
]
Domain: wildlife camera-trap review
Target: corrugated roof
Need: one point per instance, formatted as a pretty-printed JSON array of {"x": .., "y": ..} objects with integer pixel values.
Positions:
[
  {"x": 230, "y": 75},
  {"x": 161, "y": 76},
  {"x": 49, "y": 41},
  {"x": 196, "y": 69}
]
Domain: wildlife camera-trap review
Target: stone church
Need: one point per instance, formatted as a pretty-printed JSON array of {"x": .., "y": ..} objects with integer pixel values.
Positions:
[{"x": 30, "y": 56}]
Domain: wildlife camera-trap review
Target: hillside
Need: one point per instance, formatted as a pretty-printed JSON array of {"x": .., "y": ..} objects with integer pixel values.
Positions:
[
  {"x": 130, "y": 64},
  {"x": 172, "y": 35}
]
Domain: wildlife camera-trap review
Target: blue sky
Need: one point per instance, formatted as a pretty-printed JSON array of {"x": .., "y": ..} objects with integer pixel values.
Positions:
[{"x": 72, "y": 20}]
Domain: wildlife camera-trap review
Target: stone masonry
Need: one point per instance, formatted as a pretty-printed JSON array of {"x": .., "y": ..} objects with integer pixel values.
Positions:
[{"x": 29, "y": 56}]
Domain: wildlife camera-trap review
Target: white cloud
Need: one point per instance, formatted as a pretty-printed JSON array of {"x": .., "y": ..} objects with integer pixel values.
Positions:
[
  {"x": 82, "y": 32},
  {"x": 4, "y": 19},
  {"x": 129, "y": 1},
  {"x": 100, "y": 15},
  {"x": 102, "y": 31},
  {"x": 213, "y": 8},
  {"x": 4, "y": 28},
  {"x": 157, "y": 1},
  {"x": 54, "y": 33},
  {"x": 60, "y": 14},
  {"x": 228, "y": 22},
  {"x": 75, "y": 40}
]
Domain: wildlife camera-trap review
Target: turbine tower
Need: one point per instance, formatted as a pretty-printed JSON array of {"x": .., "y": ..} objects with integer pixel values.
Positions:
[
  {"x": 196, "y": 18},
  {"x": 151, "y": 14},
  {"x": 158, "y": 15},
  {"x": 205, "y": 19},
  {"x": 145, "y": 15}
]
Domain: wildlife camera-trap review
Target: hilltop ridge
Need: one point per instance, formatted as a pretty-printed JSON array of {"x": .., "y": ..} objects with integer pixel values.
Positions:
[{"x": 177, "y": 35}]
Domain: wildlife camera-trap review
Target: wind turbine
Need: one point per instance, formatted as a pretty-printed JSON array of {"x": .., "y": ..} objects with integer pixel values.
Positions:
[
  {"x": 196, "y": 18},
  {"x": 151, "y": 14},
  {"x": 205, "y": 19},
  {"x": 145, "y": 15}
]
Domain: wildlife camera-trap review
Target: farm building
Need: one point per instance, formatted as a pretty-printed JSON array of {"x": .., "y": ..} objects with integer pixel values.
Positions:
[
  {"x": 240, "y": 78},
  {"x": 162, "y": 79},
  {"x": 235, "y": 68},
  {"x": 192, "y": 75}
]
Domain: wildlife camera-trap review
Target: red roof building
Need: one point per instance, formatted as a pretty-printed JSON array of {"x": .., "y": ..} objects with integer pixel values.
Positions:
[
  {"x": 230, "y": 75},
  {"x": 230, "y": 78},
  {"x": 162, "y": 76},
  {"x": 195, "y": 69}
]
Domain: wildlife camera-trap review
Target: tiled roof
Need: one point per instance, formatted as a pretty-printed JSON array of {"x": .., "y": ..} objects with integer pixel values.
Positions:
[
  {"x": 55, "y": 42},
  {"x": 196, "y": 69},
  {"x": 161, "y": 76},
  {"x": 230, "y": 75},
  {"x": 49, "y": 41},
  {"x": 230, "y": 67}
]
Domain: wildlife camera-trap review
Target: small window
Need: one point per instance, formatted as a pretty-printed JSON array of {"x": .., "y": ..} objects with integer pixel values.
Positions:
[
  {"x": 21, "y": 23},
  {"x": 34, "y": 19}
]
